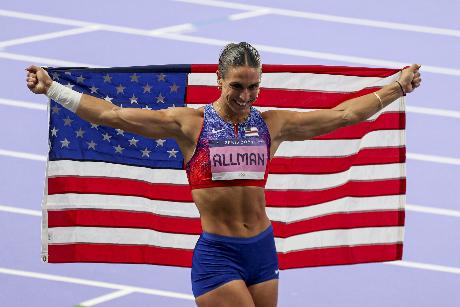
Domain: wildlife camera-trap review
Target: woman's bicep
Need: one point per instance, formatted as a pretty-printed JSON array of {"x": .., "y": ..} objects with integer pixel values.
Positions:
[{"x": 299, "y": 126}]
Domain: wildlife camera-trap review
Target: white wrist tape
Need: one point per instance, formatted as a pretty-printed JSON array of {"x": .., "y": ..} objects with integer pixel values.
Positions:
[{"x": 67, "y": 97}]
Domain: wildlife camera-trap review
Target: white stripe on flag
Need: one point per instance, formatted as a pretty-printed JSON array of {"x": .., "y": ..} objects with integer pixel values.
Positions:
[
  {"x": 112, "y": 235},
  {"x": 319, "y": 239},
  {"x": 340, "y": 237},
  {"x": 61, "y": 202},
  {"x": 342, "y": 205},
  {"x": 341, "y": 148},
  {"x": 325, "y": 181},
  {"x": 393, "y": 107},
  {"x": 274, "y": 182},
  {"x": 304, "y": 81},
  {"x": 119, "y": 202}
]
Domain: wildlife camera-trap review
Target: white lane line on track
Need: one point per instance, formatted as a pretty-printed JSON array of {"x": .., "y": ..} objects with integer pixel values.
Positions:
[
  {"x": 409, "y": 207},
  {"x": 94, "y": 283},
  {"x": 329, "y": 18},
  {"x": 185, "y": 27},
  {"x": 42, "y": 60},
  {"x": 22, "y": 211},
  {"x": 22, "y": 104},
  {"x": 425, "y": 266},
  {"x": 47, "y": 36},
  {"x": 431, "y": 158},
  {"x": 220, "y": 43},
  {"x": 432, "y": 111},
  {"x": 22, "y": 155},
  {"x": 105, "y": 298},
  {"x": 249, "y": 14},
  {"x": 432, "y": 210}
]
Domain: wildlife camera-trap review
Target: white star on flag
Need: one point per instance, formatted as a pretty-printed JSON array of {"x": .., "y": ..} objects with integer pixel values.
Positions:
[
  {"x": 133, "y": 99},
  {"x": 147, "y": 88},
  {"x": 134, "y": 78},
  {"x": 172, "y": 153},
  {"x": 65, "y": 143},
  {"x": 173, "y": 88},
  {"x": 118, "y": 149},
  {"x": 106, "y": 137},
  {"x": 161, "y": 77},
  {"x": 68, "y": 121},
  {"x": 107, "y": 78},
  {"x": 160, "y": 98},
  {"x": 109, "y": 99},
  {"x": 133, "y": 142},
  {"x": 120, "y": 89},
  {"x": 145, "y": 152},
  {"x": 160, "y": 142},
  {"x": 80, "y": 79},
  {"x": 55, "y": 109},
  {"x": 93, "y": 89},
  {"x": 54, "y": 131},
  {"x": 80, "y": 133},
  {"x": 91, "y": 145}
]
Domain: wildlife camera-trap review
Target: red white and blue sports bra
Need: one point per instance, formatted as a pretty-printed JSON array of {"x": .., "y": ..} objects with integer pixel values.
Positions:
[{"x": 229, "y": 154}]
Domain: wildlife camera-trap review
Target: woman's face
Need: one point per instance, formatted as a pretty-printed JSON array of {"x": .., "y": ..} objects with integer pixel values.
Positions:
[{"x": 240, "y": 87}]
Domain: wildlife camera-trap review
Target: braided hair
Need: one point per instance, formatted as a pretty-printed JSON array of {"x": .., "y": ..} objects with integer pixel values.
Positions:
[{"x": 241, "y": 54}]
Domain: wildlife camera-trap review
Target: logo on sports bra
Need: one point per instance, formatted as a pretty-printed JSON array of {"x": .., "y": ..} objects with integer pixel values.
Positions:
[
  {"x": 216, "y": 131},
  {"x": 238, "y": 159}
]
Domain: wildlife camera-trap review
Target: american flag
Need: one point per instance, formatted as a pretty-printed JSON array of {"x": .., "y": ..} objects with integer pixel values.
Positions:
[{"x": 113, "y": 196}]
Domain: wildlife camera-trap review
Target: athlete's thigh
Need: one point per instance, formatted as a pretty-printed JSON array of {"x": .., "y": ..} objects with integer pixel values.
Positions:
[
  {"x": 265, "y": 293},
  {"x": 233, "y": 293}
]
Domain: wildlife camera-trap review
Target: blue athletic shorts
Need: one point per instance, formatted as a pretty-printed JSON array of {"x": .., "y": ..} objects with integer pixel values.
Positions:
[{"x": 219, "y": 259}]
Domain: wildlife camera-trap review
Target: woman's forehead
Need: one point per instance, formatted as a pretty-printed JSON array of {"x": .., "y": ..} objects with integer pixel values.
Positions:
[{"x": 243, "y": 73}]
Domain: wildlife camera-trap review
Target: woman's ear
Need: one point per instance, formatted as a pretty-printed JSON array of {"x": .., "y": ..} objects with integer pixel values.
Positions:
[{"x": 219, "y": 80}]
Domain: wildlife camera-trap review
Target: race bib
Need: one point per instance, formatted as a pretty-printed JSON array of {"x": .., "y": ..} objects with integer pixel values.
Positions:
[{"x": 238, "y": 159}]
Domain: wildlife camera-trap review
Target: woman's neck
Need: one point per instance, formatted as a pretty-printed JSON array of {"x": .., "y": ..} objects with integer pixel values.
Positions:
[{"x": 228, "y": 115}]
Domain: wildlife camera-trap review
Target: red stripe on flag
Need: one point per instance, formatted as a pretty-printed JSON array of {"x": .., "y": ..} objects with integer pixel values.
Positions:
[
  {"x": 316, "y": 69},
  {"x": 386, "y": 121},
  {"x": 119, "y": 186},
  {"x": 330, "y": 165},
  {"x": 111, "y": 253},
  {"x": 299, "y": 198},
  {"x": 144, "y": 220},
  {"x": 281, "y": 98},
  {"x": 275, "y": 198},
  {"x": 117, "y": 253},
  {"x": 346, "y": 220},
  {"x": 341, "y": 255},
  {"x": 123, "y": 219}
]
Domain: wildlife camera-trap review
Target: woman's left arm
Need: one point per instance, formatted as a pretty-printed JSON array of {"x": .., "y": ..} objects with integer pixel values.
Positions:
[{"x": 299, "y": 126}]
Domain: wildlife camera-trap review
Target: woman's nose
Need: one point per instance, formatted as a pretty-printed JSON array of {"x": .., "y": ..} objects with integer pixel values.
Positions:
[{"x": 245, "y": 95}]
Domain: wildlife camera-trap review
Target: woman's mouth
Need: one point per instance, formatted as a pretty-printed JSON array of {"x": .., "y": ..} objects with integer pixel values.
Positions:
[{"x": 241, "y": 104}]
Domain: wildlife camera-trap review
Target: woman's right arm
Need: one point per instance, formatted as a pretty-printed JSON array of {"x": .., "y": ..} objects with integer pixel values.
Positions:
[{"x": 167, "y": 123}]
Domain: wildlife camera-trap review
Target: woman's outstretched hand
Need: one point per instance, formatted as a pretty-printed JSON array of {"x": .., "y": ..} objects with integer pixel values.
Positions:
[
  {"x": 38, "y": 80},
  {"x": 410, "y": 78}
]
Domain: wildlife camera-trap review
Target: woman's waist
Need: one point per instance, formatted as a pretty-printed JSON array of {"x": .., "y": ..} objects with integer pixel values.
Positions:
[{"x": 235, "y": 225}]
